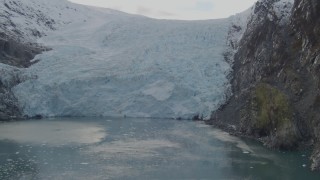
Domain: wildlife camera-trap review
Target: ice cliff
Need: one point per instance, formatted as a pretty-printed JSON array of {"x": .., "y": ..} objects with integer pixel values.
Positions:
[{"x": 107, "y": 63}]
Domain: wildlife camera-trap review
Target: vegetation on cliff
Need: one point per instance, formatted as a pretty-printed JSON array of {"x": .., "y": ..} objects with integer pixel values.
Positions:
[{"x": 272, "y": 115}]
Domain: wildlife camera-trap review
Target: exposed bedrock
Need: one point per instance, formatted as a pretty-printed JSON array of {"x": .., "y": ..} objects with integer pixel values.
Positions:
[{"x": 276, "y": 71}]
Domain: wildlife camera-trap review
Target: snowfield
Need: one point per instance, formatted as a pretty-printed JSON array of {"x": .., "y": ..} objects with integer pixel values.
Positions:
[{"x": 107, "y": 63}]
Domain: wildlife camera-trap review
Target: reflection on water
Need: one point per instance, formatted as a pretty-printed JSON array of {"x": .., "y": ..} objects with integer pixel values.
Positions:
[
  {"x": 133, "y": 148},
  {"x": 51, "y": 132},
  {"x": 137, "y": 149},
  {"x": 224, "y": 136}
]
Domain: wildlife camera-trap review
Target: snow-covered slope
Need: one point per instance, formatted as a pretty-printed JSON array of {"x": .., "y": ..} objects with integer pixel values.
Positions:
[{"x": 112, "y": 64}]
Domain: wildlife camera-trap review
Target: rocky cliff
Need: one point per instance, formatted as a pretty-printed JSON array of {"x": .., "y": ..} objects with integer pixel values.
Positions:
[{"x": 276, "y": 77}]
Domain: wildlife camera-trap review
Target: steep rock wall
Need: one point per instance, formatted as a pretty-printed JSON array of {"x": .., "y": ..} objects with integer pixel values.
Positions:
[{"x": 276, "y": 77}]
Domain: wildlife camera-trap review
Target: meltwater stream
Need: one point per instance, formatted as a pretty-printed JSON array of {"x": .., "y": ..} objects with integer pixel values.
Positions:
[{"x": 108, "y": 148}]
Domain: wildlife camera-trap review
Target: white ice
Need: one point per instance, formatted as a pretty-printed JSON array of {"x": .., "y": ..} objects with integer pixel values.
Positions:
[{"x": 107, "y": 63}]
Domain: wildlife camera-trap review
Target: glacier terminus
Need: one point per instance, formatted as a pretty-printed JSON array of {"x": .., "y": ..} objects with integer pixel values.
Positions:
[{"x": 103, "y": 62}]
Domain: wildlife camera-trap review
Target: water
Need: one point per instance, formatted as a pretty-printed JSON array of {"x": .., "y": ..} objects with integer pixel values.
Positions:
[{"x": 109, "y": 148}]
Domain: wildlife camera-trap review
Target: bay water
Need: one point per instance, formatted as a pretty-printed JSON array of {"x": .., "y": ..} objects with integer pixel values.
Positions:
[{"x": 135, "y": 148}]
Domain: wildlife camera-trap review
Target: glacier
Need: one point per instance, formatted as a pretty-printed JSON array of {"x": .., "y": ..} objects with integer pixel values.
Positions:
[{"x": 107, "y": 63}]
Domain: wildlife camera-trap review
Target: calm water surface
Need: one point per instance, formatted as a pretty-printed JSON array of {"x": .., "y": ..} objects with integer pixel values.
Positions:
[{"x": 109, "y": 148}]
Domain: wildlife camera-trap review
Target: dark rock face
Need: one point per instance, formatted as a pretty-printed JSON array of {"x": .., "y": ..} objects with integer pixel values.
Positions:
[
  {"x": 276, "y": 80},
  {"x": 9, "y": 108},
  {"x": 306, "y": 25},
  {"x": 17, "y": 54}
]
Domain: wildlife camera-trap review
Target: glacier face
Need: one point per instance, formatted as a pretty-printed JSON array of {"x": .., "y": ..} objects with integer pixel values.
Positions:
[{"x": 114, "y": 64}]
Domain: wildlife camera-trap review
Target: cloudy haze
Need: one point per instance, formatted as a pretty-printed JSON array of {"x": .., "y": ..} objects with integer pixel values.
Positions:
[{"x": 175, "y": 9}]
